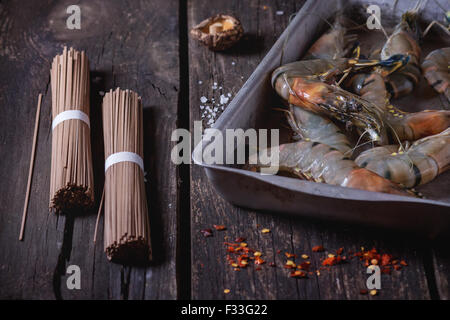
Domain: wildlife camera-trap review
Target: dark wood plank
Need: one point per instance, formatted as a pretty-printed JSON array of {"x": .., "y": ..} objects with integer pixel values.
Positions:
[
  {"x": 131, "y": 45},
  {"x": 441, "y": 268},
  {"x": 210, "y": 272}
]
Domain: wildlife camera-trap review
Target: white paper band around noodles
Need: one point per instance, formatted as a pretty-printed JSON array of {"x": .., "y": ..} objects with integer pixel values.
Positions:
[
  {"x": 124, "y": 157},
  {"x": 70, "y": 115}
]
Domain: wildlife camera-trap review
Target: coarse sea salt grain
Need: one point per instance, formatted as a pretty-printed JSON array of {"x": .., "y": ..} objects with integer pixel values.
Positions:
[
  {"x": 280, "y": 13},
  {"x": 223, "y": 99},
  {"x": 212, "y": 109},
  {"x": 200, "y": 81}
]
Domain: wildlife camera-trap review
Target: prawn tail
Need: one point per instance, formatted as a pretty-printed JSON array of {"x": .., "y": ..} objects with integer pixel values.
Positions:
[{"x": 364, "y": 179}]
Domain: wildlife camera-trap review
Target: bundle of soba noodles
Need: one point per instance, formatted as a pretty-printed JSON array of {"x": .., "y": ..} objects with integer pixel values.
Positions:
[
  {"x": 127, "y": 230},
  {"x": 71, "y": 179}
]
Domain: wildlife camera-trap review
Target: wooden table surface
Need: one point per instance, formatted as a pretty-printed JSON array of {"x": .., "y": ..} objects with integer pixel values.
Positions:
[{"x": 144, "y": 46}]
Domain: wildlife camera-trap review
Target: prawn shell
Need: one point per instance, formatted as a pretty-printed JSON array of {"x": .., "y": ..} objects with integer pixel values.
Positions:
[
  {"x": 421, "y": 163},
  {"x": 435, "y": 68}
]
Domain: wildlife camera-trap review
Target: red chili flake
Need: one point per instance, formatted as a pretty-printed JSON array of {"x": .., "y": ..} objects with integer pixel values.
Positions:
[
  {"x": 290, "y": 264},
  {"x": 339, "y": 251},
  {"x": 231, "y": 244},
  {"x": 258, "y": 268},
  {"x": 385, "y": 259},
  {"x": 272, "y": 264},
  {"x": 332, "y": 260},
  {"x": 318, "y": 249},
  {"x": 290, "y": 255},
  {"x": 231, "y": 249},
  {"x": 298, "y": 274},
  {"x": 403, "y": 263},
  {"x": 240, "y": 239},
  {"x": 278, "y": 251},
  {"x": 397, "y": 267},
  {"x": 219, "y": 227},
  {"x": 259, "y": 261},
  {"x": 206, "y": 232},
  {"x": 363, "y": 291},
  {"x": 247, "y": 249},
  {"x": 394, "y": 261}
]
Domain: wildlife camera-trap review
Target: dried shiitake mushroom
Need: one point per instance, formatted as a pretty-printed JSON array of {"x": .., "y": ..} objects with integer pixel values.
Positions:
[{"x": 219, "y": 32}]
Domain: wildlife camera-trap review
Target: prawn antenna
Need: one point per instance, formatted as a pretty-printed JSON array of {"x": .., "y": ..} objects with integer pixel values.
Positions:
[
  {"x": 396, "y": 137},
  {"x": 434, "y": 22},
  {"x": 381, "y": 26},
  {"x": 357, "y": 145}
]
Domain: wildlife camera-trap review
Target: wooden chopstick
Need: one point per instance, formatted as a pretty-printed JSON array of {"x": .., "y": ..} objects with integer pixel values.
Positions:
[{"x": 30, "y": 172}]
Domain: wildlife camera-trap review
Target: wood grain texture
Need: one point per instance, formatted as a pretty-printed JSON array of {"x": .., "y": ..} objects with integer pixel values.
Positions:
[
  {"x": 441, "y": 269},
  {"x": 143, "y": 45},
  {"x": 263, "y": 23},
  {"x": 131, "y": 45}
]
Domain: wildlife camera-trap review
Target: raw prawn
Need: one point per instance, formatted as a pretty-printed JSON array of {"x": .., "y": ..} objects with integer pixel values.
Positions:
[
  {"x": 436, "y": 69},
  {"x": 321, "y": 163},
  {"x": 302, "y": 83},
  {"x": 419, "y": 164},
  {"x": 333, "y": 44},
  {"x": 312, "y": 127},
  {"x": 402, "y": 125},
  {"x": 404, "y": 41}
]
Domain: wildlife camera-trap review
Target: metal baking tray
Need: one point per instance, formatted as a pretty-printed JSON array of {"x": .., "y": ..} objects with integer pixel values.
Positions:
[{"x": 253, "y": 108}]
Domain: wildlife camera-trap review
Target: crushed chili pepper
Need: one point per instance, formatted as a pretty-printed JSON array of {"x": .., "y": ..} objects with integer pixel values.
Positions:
[
  {"x": 332, "y": 260},
  {"x": 290, "y": 264},
  {"x": 219, "y": 227},
  {"x": 240, "y": 255},
  {"x": 206, "y": 232},
  {"x": 298, "y": 274},
  {"x": 385, "y": 259},
  {"x": 318, "y": 249}
]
